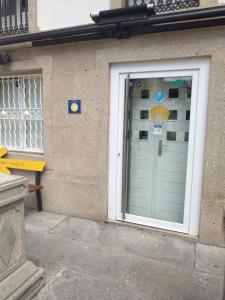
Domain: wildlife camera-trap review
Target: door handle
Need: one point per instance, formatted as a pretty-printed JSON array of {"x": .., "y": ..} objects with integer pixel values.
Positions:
[{"x": 160, "y": 148}]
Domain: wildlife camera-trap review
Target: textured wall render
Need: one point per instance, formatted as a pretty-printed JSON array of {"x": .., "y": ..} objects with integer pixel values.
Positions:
[{"x": 76, "y": 146}]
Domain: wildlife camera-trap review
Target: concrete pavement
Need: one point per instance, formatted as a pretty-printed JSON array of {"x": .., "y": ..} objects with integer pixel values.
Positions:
[{"x": 90, "y": 260}]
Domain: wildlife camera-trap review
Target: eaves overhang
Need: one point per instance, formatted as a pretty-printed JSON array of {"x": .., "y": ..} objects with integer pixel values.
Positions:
[{"x": 124, "y": 23}]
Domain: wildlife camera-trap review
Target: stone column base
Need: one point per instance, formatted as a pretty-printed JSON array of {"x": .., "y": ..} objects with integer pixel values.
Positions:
[{"x": 23, "y": 284}]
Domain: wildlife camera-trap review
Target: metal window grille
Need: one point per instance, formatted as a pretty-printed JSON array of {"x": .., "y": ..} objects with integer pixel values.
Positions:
[
  {"x": 165, "y": 5},
  {"x": 13, "y": 17},
  {"x": 21, "y": 113}
]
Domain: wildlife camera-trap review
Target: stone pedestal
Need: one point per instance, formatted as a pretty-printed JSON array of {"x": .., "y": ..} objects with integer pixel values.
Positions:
[{"x": 19, "y": 278}]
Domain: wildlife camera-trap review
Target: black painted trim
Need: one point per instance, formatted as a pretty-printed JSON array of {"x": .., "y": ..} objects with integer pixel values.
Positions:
[{"x": 191, "y": 19}]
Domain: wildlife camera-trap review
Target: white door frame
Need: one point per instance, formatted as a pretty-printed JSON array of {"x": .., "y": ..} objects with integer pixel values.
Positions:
[{"x": 197, "y": 68}]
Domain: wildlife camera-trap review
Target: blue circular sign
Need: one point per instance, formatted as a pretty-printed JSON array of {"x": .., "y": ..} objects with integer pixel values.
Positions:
[{"x": 159, "y": 96}]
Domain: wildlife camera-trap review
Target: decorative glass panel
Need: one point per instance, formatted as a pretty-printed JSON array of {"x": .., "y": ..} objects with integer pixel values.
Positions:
[
  {"x": 145, "y": 94},
  {"x": 144, "y": 114},
  {"x": 186, "y": 136},
  {"x": 173, "y": 115},
  {"x": 143, "y": 135},
  {"x": 171, "y": 136},
  {"x": 187, "y": 115},
  {"x": 189, "y": 92},
  {"x": 173, "y": 93}
]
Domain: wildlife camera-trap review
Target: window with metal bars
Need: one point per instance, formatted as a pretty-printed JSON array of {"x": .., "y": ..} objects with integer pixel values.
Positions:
[{"x": 21, "y": 113}]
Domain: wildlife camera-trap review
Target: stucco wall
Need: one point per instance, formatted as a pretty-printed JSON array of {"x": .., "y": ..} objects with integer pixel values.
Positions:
[
  {"x": 76, "y": 146},
  {"x": 53, "y": 14},
  {"x": 208, "y": 3}
]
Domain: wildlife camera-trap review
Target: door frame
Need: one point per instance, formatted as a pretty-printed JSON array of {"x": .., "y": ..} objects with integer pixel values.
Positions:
[{"x": 199, "y": 69}]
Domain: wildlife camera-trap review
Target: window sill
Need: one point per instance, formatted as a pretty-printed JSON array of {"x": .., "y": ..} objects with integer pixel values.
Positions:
[{"x": 23, "y": 152}]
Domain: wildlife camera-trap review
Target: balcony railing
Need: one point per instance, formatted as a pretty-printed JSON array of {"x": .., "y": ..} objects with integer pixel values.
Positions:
[
  {"x": 13, "y": 17},
  {"x": 165, "y": 5}
]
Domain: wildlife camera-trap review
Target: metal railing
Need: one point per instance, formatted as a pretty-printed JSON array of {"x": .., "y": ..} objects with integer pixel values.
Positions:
[
  {"x": 165, "y": 5},
  {"x": 21, "y": 113},
  {"x": 13, "y": 17}
]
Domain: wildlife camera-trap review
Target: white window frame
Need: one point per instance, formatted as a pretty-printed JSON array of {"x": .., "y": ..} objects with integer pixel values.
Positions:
[
  {"x": 24, "y": 113},
  {"x": 199, "y": 69}
]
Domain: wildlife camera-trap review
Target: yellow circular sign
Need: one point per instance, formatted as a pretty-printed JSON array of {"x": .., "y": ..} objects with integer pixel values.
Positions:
[
  {"x": 74, "y": 107},
  {"x": 159, "y": 111}
]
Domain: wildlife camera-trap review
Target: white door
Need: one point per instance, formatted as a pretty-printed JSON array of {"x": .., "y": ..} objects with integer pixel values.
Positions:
[{"x": 159, "y": 129}]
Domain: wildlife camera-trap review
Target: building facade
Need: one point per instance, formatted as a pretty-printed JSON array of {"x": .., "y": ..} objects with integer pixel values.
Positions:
[{"x": 147, "y": 147}]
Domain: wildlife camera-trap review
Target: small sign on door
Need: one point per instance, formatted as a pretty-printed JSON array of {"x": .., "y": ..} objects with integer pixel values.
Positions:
[{"x": 157, "y": 130}]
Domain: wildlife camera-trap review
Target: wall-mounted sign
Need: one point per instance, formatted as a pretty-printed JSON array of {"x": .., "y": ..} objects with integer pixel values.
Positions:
[
  {"x": 159, "y": 114},
  {"x": 74, "y": 106},
  {"x": 29, "y": 165},
  {"x": 181, "y": 83},
  {"x": 157, "y": 130}
]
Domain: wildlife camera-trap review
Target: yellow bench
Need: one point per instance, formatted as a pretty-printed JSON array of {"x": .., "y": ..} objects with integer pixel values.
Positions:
[{"x": 27, "y": 165}]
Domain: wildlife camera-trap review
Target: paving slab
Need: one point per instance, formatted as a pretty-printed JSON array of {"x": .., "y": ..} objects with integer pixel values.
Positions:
[
  {"x": 170, "y": 282},
  {"x": 141, "y": 243},
  {"x": 79, "y": 230},
  {"x": 210, "y": 259},
  {"x": 78, "y": 255},
  {"x": 43, "y": 221},
  {"x": 71, "y": 285},
  {"x": 145, "y": 281}
]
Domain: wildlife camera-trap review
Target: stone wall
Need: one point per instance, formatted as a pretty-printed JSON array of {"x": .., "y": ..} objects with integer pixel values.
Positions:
[
  {"x": 117, "y": 3},
  {"x": 19, "y": 279},
  {"x": 210, "y": 3},
  {"x": 76, "y": 146}
]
